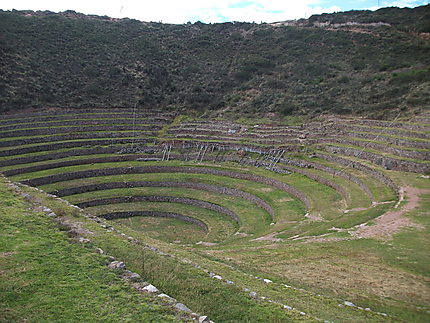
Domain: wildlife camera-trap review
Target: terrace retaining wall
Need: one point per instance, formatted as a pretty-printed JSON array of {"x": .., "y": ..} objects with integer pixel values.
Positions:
[
  {"x": 392, "y": 140},
  {"x": 69, "y": 136},
  {"x": 386, "y": 162},
  {"x": 77, "y": 122},
  {"x": 192, "y": 185},
  {"x": 165, "y": 199},
  {"x": 69, "y": 144},
  {"x": 168, "y": 169},
  {"x": 149, "y": 118},
  {"x": 127, "y": 214},
  {"x": 354, "y": 164},
  {"x": 329, "y": 170},
  {"x": 58, "y": 130}
]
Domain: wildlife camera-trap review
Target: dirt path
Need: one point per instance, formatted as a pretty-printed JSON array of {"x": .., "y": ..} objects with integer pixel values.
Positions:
[{"x": 391, "y": 222}]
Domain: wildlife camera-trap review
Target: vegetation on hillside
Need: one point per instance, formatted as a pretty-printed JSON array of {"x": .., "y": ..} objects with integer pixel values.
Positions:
[{"x": 73, "y": 60}]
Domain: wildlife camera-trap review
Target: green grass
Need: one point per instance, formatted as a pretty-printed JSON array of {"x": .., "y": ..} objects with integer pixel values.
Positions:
[
  {"x": 46, "y": 278},
  {"x": 221, "y": 228},
  {"x": 170, "y": 230}
]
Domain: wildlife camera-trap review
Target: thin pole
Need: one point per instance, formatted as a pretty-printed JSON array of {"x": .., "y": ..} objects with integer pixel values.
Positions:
[{"x": 134, "y": 125}]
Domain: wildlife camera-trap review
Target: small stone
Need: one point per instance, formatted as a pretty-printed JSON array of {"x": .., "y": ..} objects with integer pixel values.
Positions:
[
  {"x": 302, "y": 313},
  {"x": 131, "y": 275},
  {"x": 246, "y": 289},
  {"x": 165, "y": 296},
  {"x": 151, "y": 289},
  {"x": 100, "y": 251},
  {"x": 111, "y": 258},
  {"x": 116, "y": 265},
  {"x": 229, "y": 282},
  {"x": 46, "y": 210},
  {"x": 204, "y": 319},
  {"x": 83, "y": 240},
  {"x": 349, "y": 304},
  {"x": 288, "y": 307},
  {"x": 267, "y": 281},
  {"x": 253, "y": 294},
  {"x": 182, "y": 307},
  {"x": 217, "y": 277},
  {"x": 52, "y": 215}
]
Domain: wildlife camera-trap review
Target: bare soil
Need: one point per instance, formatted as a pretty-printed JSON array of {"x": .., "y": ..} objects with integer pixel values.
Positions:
[{"x": 391, "y": 222}]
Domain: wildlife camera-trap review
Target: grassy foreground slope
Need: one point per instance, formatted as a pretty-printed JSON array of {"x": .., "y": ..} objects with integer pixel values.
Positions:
[{"x": 46, "y": 278}]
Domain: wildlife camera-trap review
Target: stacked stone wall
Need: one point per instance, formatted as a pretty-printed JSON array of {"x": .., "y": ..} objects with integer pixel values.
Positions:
[
  {"x": 127, "y": 214},
  {"x": 165, "y": 199},
  {"x": 386, "y": 162}
]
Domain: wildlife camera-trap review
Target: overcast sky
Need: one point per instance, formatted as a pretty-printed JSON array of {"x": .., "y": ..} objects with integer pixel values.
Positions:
[{"x": 182, "y": 11}]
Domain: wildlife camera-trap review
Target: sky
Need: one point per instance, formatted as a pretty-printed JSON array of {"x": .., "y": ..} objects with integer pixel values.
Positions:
[{"x": 207, "y": 11}]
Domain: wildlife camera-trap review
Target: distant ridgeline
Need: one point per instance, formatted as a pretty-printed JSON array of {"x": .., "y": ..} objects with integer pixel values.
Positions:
[{"x": 361, "y": 62}]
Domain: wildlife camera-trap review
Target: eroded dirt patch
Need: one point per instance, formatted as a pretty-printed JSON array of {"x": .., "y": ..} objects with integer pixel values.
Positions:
[{"x": 391, "y": 222}]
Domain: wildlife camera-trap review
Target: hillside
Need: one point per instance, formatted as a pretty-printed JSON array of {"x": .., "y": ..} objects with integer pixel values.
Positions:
[{"x": 358, "y": 62}]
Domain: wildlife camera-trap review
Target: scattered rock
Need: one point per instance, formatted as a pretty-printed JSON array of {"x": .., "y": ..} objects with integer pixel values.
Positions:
[
  {"x": 151, "y": 289},
  {"x": 166, "y": 296},
  {"x": 84, "y": 240},
  {"x": 52, "y": 215},
  {"x": 139, "y": 285},
  {"x": 131, "y": 275},
  {"x": 217, "y": 277},
  {"x": 100, "y": 251},
  {"x": 229, "y": 282},
  {"x": 267, "y": 281},
  {"x": 116, "y": 265},
  {"x": 349, "y": 304},
  {"x": 204, "y": 319},
  {"x": 253, "y": 294},
  {"x": 288, "y": 307},
  {"x": 182, "y": 307}
]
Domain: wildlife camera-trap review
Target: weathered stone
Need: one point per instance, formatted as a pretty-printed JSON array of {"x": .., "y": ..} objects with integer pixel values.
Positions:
[
  {"x": 204, "y": 319},
  {"x": 182, "y": 307},
  {"x": 151, "y": 289},
  {"x": 267, "y": 281},
  {"x": 116, "y": 265},
  {"x": 131, "y": 275},
  {"x": 84, "y": 240}
]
